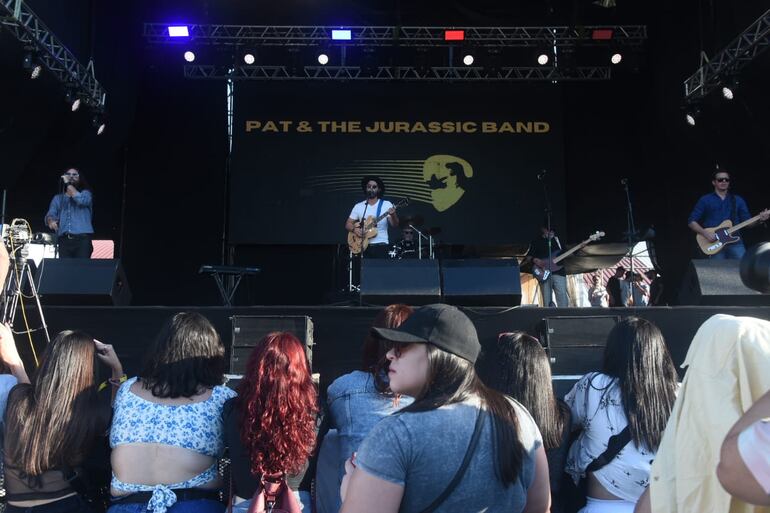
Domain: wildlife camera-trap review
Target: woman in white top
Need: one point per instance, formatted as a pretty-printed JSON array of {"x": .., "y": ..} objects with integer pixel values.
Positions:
[{"x": 637, "y": 388}]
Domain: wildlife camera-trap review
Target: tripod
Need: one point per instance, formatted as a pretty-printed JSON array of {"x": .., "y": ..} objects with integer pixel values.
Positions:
[{"x": 13, "y": 295}]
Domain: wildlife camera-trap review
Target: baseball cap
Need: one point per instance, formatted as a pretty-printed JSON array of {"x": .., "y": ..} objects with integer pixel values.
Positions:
[{"x": 443, "y": 326}]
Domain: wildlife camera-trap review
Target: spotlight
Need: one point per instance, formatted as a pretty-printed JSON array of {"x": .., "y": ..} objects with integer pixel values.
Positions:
[
  {"x": 189, "y": 56},
  {"x": 72, "y": 100},
  {"x": 249, "y": 58},
  {"x": 341, "y": 35},
  {"x": 99, "y": 123},
  {"x": 454, "y": 35},
  {"x": 727, "y": 93},
  {"x": 323, "y": 59},
  {"x": 34, "y": 68},
  {"x": 542, "y": 59},
  {"x": 468, "y": 59},
  {"x": 616, "y": 58},
  {"x": 178, "y": 31},
  {"x": 690, "y": 118}
]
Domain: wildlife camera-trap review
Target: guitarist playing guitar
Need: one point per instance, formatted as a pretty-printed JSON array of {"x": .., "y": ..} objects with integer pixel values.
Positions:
[
  {"x": 373, "y": 206},
  {"x": 722, "y": 213},
  {"x": 557, "y": 280}
]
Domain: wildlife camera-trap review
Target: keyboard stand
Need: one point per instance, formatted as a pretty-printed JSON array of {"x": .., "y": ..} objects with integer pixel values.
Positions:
[{"x": 227, "y": 290}]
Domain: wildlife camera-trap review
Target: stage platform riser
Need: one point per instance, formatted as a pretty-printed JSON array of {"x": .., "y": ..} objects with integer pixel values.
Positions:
[{"x": 339, "y": 331}]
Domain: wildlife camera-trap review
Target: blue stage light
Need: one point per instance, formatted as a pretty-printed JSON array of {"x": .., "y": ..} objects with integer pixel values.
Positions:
[
  {"x": 178, "y": 31},
  {"x": 341, "y": 35}
]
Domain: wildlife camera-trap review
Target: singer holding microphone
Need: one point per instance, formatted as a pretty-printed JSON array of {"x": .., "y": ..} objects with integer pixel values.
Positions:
[
  {"x": 373, "y": 206},
  {"x": 70, "y": 214}
]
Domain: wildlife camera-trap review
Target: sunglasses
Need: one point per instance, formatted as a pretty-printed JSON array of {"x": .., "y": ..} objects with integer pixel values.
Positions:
[
  {"x": 722, "y": 179},
  {"x": 72, "y": 174}
]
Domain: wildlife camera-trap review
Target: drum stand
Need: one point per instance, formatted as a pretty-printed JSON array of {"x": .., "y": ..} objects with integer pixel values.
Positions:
[{"x": 13, "y": 294}]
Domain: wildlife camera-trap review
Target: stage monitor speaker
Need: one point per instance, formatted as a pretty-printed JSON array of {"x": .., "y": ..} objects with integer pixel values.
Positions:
[
  {"x": 82, "y": 281},
  {"x": 414, "y": 282},
  {"x": 250, "y": 329},
  {"x": 718, "y": 283},
  {"x": 481, "y": 282},
  {"x": 575, "y": 346}
]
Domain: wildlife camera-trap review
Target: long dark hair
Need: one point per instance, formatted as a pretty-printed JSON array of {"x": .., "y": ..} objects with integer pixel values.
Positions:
[
  {"x": 452, "y": 379},
  {"x": 637, "y": 357},
  {"x": 53, "y": 421},
  {"x": 278, "y": 406},
  {"x": 375, "y": 348},
  {"x": 518, "y": 366},
  {"x": 186, "y": 358},
  {"x": 83, "y": 183}
]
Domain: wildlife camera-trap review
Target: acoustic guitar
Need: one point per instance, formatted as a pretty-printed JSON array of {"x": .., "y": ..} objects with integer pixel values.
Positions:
[
  {"x": 543, "y": 272},
  {"x": 724, "y": 233},
  {"x": 358, "y": 244}
]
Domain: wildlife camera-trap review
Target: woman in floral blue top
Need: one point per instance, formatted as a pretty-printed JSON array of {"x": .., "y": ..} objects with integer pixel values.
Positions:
[{"x": 167, "y": 429}]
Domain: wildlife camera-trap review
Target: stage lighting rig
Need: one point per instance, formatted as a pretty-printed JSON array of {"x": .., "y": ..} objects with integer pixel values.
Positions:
[{"x": 45, "y": 51}]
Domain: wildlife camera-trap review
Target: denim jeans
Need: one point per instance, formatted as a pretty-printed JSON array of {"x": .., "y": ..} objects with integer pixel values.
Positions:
[
  {"x": 195, "y": 506},
  {"x": 733, "y": 251}
]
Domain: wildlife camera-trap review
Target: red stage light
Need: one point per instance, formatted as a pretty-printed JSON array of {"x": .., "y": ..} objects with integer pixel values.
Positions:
[
  {"x": 454, "y": 35},
  {"x": 602, "y": 34}
]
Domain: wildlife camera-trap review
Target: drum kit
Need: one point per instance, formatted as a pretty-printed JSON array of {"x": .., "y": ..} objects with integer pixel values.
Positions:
[{"x": 415, "y": 243}]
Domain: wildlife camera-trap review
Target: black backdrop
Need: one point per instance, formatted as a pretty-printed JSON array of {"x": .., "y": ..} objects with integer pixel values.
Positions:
[
  {"x": 466, "y": 155},
  {"x": 159, "y": 170}
]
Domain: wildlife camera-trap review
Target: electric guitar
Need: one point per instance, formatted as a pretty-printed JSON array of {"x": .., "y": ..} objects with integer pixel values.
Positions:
[
  {"x": 724, "y": 233},
  {"x": 543, "y": 272},
  {"x": 358, "y": 244}
]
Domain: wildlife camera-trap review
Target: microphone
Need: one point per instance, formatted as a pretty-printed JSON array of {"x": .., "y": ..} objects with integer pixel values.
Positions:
[
  {"x": 624, "y": 181},
  {"x": 541, "y": 174}
]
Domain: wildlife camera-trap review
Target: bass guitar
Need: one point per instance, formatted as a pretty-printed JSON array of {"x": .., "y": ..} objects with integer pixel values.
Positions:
[
  {"x": 543, "y": 272},
  {"x": 358, "y": 244},
  {"x": 724, "y": 233}
]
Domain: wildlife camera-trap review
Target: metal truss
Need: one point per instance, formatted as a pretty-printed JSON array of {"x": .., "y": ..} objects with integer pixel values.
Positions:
[
  {"x": 407, "y": 73},
  {"x": 626, "y": 35},
  {"x": 23, "y": 23},
  {"x": 742, "y": 50}
]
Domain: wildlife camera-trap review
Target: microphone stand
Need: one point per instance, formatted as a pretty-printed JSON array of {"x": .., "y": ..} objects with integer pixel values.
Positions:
[
  {"x": 630, "y": 233},
  {"x": 549, "y": 239}
]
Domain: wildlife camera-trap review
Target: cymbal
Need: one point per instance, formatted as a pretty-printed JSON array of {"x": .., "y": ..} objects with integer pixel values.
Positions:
[
  {"x": 433, "y": 231},
  {"x": 416, "y": 220}
]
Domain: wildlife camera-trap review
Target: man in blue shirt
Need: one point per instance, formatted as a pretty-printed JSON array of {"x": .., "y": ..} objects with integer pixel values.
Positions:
[
  {"x": 70, "y": 216},
  {"x": 713, "y": 208}
]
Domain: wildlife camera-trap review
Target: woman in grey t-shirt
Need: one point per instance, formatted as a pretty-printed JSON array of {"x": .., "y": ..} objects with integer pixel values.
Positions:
[{"x": 408, "y": 460}]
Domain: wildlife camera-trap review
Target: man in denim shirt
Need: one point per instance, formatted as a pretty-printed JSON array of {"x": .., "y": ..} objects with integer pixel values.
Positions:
[
  {"x": 713, "y": 208},
  {"x": 70, "y": 216}
]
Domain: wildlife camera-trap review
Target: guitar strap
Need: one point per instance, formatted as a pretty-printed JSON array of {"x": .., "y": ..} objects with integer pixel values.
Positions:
[{"x": 379, "y": 208}]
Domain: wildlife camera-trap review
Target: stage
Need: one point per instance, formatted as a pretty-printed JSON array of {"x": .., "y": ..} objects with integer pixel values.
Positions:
[{"x": 339, "y": 330}]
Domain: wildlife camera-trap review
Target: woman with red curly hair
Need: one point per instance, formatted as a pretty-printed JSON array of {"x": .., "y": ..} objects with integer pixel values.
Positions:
[{"x": 270, "y": 426}]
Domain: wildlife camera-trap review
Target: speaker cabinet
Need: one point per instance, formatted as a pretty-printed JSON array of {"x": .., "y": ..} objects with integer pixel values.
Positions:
[
  {"x": 414, "y": 282},
  {"x": 718, "y": 283},
  {"x": 575, "y": 346},
  {"x": 82, "y": 281},
  {"x": 481, "y": 282},
  {"x": 250, "y": 329}
]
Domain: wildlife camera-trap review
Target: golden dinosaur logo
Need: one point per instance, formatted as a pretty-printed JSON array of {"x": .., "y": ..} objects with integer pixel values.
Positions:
[{"x": 447, "y": 178}]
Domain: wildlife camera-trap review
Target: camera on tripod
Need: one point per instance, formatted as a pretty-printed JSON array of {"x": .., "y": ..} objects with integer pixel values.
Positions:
[
  {"x": 16, "y": 236},
  {"x": 19, "y": 283}
]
